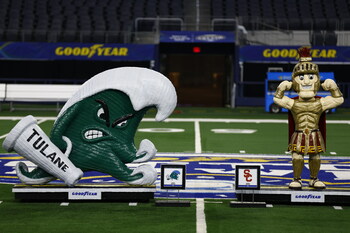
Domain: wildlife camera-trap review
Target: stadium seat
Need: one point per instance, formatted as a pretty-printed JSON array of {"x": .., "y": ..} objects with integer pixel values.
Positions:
[
  {"x": 282, "y": 23},
  {"x": 320, "y": 24},
  {"x": 26, "y": 35},
  {"x": 345, "y": 24},
  {"x": 332, "y": 24},
  {"x": 69, "y": 36},
  {"x": 306, "y": 24},
  {"x": 330, "y": 38},
  {"x": 12, "y": 35},
  {"x": 98, "y": 37},
  {"x": 317, "y": 38},
  {"x": 40, "y": 35},
  {"x": 85, "y": 36},
  {"x": 294, "y": 24},
  {"x": 53, "y": 35},
  {"x": 2, "y": 34},
  {"x": 112, "y": 37}
]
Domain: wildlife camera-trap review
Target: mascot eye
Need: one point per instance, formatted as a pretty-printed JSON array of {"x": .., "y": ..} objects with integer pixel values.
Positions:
[
  {"x": 311, "y": 77},
  {"x": 101, "y": 114},
  {"x": 301, "y": 77},
  {"x": 121, "y": 124}
]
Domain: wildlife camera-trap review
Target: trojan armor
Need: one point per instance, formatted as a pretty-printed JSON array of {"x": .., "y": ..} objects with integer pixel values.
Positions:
[{"x": 307, "y": 116}]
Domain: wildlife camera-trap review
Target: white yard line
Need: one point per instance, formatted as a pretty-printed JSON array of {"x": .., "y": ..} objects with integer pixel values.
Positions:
[
  {"x": 41, "y": 121},
  {"x": 236, "y": 155},
  {"x": 197, "y": 133},
  {"x": 17, "y": 118},
  {"x": 64, "y": 204},
  {"x": 201, "y": 224},
  {"x": 222, "y": 120}
]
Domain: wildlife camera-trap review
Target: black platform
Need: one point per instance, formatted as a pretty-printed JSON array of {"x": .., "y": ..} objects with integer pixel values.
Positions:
[
  {"x": 239, "y": 204},
  {"x": 84, "y": 192},
  {"x": 284, "y": 195},
  {"x": 173, "y": 203}
]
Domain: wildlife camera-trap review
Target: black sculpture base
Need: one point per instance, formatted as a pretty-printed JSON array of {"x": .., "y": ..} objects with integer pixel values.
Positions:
[
  {"x": 239, "y": 204},
  {"x": 284, "y": 195},
  {"x": 173, "y": 203},
  {"x": 84, "y": 192}
]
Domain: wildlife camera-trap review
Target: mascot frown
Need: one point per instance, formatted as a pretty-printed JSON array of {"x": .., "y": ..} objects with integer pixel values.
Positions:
[{"x": 95, "y": 130}]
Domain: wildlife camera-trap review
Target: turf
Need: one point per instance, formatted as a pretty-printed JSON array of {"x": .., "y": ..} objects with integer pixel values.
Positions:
[
  {"x": 79, "y": 217},
  {"x": 268, "y": 139},
  {"x": 280, "y": 218},
  {"x": 256, "y": 112},
  {"x": 169, "y": 142},
  {"x": 17, "y": 217}
]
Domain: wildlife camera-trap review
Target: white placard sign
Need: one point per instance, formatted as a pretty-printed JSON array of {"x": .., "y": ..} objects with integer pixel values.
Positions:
[
  {"x": 317, "y": 197},
  {"x": 84, "y": 194},
  {"x": 173, "y": 176},
  {"x": 247, "y": 177}
]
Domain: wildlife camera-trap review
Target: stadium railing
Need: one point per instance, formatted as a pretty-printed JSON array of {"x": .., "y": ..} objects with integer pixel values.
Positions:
[{"x": 35, "y": 93}]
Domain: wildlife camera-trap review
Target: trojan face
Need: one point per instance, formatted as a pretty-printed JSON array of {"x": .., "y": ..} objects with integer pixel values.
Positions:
[{"x": 306, "y": 85}]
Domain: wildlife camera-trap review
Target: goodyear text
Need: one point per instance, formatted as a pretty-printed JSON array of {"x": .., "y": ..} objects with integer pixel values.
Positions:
[
  {"x": 293, "y": 53},
  {"x": 94, "y": 50}
]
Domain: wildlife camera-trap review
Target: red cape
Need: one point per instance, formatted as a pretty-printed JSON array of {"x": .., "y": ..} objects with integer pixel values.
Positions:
[{"x": 321, "y": 124}]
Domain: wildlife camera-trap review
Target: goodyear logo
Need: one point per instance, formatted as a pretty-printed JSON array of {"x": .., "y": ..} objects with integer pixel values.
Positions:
[
  {"x": 210, "y": 37},
  {"x": 86, "y": 193},
  {"x": 293, "y": 53},
  {"x": 180, "y": 38},
  {"x": 307, "y": 197},
  {"x": 94, "y": 50}
]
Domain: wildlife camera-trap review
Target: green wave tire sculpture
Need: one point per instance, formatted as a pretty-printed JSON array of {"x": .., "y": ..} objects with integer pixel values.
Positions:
[{"x": 95, "y": 130}]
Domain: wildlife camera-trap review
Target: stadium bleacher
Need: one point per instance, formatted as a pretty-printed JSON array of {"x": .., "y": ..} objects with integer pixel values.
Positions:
[
  {"x": 285, "y": 14},
  {"x": 254, "y": 22},
  {"x": 97, "y": 21},
  {"x": 79, "y": 20}
]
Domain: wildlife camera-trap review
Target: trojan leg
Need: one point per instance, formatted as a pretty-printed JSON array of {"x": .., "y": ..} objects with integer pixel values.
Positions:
[
  {"x": 314, "y": 165},
  {"x": 298, "y": 165}
]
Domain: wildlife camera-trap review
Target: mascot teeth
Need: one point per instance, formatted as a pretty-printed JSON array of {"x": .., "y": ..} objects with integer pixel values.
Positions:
[
  {"x": 306, "y": 86},
  {"x": 92, "y": 134}
]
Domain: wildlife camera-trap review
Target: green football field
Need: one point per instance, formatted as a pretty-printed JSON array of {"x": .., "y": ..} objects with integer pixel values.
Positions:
[{"x": 188, "y": 130}]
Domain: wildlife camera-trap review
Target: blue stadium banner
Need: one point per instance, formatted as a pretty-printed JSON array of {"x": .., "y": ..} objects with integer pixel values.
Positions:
[
  {"x": 290, "y": 54},
  {"x": 76, "y": 51},
  {"x": 196, "y": 37}
]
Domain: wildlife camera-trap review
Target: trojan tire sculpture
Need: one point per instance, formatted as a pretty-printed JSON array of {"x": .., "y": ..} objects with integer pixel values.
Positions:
[
  {"x": 307, "y": 118},
  {"x": 95, "y": 130}
]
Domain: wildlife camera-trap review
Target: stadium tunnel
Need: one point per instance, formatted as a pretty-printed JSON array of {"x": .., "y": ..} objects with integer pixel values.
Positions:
[{"x": 202, "y": 73}]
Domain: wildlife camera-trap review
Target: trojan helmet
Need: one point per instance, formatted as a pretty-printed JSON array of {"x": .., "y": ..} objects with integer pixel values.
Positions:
[{"x": 305, "y": 66}]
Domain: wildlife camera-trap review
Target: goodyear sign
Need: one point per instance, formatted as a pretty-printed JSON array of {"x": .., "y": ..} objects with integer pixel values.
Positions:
[
  {"x": 76, "y": 51},
  {"x": 290, "y": 54}
]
